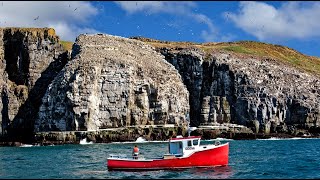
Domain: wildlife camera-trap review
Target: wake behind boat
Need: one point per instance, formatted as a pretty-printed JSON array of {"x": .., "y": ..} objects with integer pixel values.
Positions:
[{"x": 184, "y": 152}]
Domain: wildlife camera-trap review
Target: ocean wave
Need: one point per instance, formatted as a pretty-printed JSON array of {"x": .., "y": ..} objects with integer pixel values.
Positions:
[
  {"x": 29, "y": 145},
  {"x": 141, "y": 139},
  {"x": 85, "y": 141},
  {"x": 26, "y": 145}
]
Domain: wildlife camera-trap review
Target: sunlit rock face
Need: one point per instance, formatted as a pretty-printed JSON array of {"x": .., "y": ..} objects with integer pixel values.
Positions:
[
  {"x": 113, "y": 82},
  {"x": 257, "y": 92}
]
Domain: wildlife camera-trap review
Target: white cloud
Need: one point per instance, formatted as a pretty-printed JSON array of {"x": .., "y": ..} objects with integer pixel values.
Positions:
[
  {"x": 69, "y": 19},
  {"x": 156, "y": 6},
  {"x": 175, "y": 8},
  {"x": 293, "y": 20}
]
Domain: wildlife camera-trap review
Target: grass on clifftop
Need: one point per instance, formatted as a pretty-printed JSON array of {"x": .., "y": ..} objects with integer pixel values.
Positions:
[
  {"x": 284, "y": 54},
  {"x": 67, "y": 45}
]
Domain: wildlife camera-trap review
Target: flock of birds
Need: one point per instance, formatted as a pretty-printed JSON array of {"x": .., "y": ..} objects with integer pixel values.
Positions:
[
  {"x": 227, "y": 16},
  {"x": 38, "y": 16}
]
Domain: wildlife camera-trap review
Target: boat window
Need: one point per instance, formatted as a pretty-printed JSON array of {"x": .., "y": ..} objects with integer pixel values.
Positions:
[
  {"x": 195, "y": 142},
  {"x": 175, "y": 148},
  {"x": 189, "y": 143}
]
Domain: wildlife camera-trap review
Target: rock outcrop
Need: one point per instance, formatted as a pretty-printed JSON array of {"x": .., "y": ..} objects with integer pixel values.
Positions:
[
  {"x": 29, "y": 59},
  {"x": 260, "y": 93},
  {"x": 113, "y": 82}
]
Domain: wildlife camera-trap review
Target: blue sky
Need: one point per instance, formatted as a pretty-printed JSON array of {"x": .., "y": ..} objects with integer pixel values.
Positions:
[{"x": 290, "y": 23}]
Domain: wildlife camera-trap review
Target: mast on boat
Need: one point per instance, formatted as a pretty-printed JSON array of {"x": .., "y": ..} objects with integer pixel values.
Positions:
[
  {"x": 189, "y": 128},
  {"x": 188, "y": 121}
]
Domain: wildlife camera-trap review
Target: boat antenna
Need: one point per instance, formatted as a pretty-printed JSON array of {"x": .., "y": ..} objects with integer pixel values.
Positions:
[{"x": 188, "y": 121}]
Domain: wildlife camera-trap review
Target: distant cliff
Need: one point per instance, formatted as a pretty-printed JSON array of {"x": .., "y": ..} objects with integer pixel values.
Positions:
[
  {"x": 114, "y": 82},
  {"x": 268, "y": 88}
]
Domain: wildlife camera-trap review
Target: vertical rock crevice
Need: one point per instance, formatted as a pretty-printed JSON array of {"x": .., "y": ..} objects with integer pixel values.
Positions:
[
  {"x": 189, "y": 65},
  {"x": 5, "y": 121},
  {"x": 30, "y": 59}
]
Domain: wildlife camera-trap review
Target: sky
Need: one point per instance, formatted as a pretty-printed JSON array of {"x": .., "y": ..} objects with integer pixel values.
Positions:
[{"x": 294, "y": 24}]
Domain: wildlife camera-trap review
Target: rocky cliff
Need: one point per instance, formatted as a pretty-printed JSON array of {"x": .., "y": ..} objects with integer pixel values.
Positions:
[
  {"x": 29, "y": 59},
  {"x": 113, "y": 82},
  {"x": 263, "y": 93},
  {"x": 142, "y": 87}
]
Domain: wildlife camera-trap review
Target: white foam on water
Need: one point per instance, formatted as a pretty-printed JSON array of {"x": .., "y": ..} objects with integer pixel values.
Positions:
[
  {"x": 84, "y": 141},
  {"x": 30, "y": 145},
  {"x": 272, "y": 138},
  {"x": 141, "y": 139},
  {"x": 224, "y": 139},
  {"x": 26, "y": 145}
]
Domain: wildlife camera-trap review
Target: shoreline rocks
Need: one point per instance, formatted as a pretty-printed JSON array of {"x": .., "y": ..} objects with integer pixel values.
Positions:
[{"x": 149, "y": 133}]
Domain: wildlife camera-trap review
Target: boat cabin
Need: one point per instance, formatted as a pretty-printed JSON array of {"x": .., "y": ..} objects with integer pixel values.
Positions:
[{"x": 183, "y": 146}]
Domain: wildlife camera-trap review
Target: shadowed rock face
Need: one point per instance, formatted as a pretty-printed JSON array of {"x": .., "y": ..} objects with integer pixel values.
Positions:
[
  {"x": 189, "y": 63},
  {"x": 29, "y": 60},
  {"x": 259, "y": 93},
  {"x": 113, "y": 82}
]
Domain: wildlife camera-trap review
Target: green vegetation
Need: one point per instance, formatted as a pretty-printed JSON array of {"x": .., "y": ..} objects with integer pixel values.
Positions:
[
  {"x": 67, "y": 45},
  {"x": 279, "y": 53},
  {"x": 240, "y": 49}
]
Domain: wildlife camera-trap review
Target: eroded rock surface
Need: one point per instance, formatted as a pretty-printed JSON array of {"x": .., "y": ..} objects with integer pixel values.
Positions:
[
  {"x": 113, "y": 82},
  {"x": 261, "y": 93}
]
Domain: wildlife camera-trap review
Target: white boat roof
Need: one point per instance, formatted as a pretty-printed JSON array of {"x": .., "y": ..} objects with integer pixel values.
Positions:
[{"x": 180, "y": 138}]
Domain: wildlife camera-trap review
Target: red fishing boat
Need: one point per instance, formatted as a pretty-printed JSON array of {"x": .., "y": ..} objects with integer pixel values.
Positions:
[{"x": 184, "y": 152}]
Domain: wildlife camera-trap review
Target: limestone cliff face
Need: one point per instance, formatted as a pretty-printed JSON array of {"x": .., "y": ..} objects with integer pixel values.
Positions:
[
  {"x": 113, "y": 82},
  {"x": 116, "y": 82},
  {"x": 257, "y": 92},
  {"x": 29, "y": 59}
]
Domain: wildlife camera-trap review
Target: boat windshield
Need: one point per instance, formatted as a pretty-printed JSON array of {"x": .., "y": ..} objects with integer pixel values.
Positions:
[{"x": 175, "y": 148}]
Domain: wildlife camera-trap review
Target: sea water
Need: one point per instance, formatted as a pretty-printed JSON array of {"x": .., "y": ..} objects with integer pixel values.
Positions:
[{"x": 255, "y": 159}]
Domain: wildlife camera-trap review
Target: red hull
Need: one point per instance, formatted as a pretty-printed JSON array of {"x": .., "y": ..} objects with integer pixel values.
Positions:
[{"x": 218, "y": 156}]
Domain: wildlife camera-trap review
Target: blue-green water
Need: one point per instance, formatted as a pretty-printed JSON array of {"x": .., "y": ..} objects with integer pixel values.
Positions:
[{"x": 255, "y": 159}]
